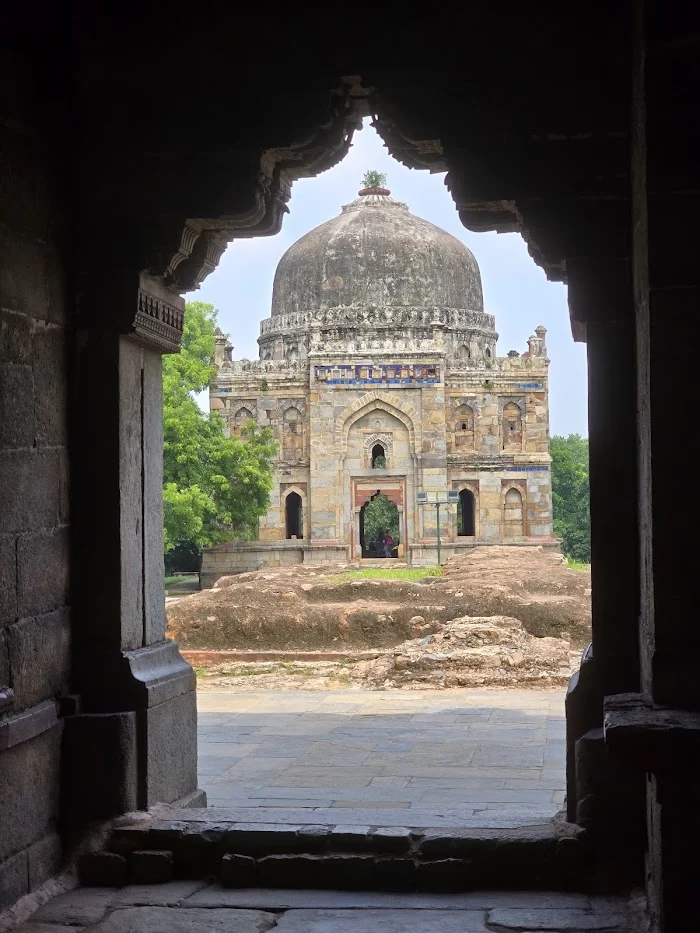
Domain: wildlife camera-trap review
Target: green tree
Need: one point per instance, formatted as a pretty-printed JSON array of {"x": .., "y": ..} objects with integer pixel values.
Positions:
[
  {"x": 214, "y": 488},
  {"x": 571, "y": 496},
  {"x": 381, "y": 515},
  {"x": 373, "y": 179}
]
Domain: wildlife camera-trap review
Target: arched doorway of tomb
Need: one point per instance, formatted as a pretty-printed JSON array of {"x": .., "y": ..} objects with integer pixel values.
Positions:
[
  {"x": 465, "y": 514},
  {"x": 513, "y": 514},
  {"x": 294, "y": 516},
  {"x": 380, "y": 527},
  {"x": 378, "y": 457}
]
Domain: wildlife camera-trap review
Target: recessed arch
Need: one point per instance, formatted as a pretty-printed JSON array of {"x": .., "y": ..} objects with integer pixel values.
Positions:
[
  {"x": 242, "y": 415},
  {"x": 512, "y": 427},
  {"x": 463, "y": 427},
  {"x": 513, "y": 512},
  {"x": 403, "y": 411},
  {"x": 293, "y": 434}
]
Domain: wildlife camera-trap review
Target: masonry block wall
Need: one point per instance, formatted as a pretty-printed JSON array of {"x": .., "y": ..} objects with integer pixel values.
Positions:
[{"x": 35, "y": 633}]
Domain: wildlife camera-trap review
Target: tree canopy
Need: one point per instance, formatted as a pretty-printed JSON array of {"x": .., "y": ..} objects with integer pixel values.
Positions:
[
  {"x": 571, "y": 496},
  {"x": 214, "y": 487}
]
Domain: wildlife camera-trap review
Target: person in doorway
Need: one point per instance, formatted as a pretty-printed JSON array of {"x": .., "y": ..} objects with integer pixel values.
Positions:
[{"x": 388, "y": 545}]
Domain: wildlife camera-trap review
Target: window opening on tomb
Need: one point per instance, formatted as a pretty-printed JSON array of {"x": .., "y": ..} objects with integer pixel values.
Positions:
[
  {"x": 380, "y": 527},
  {"x": 294, "y": 516},
  {"x": 465, "y": 514},
  {"x": 487, "y": 353},
  {"x": 378, "y": 457}
]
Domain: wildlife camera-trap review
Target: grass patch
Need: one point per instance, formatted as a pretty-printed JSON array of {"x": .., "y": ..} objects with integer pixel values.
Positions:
[
  {"x": 181, "y": 578},
  {"x": 379, "y": 573},
  {"x": 577, "y": 565}
]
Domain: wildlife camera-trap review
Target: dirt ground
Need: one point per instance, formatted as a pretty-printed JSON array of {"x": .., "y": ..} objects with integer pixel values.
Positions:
[{"x": 497, "y": 615}]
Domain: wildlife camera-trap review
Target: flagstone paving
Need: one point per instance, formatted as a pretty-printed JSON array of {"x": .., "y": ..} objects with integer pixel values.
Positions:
[
  {"x": 187, "y": 907},
  {"x": 466, "y": 757}
]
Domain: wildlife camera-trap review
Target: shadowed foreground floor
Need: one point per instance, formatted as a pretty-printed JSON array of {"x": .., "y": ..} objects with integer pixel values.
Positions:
[{"x": 488, "y": 757}]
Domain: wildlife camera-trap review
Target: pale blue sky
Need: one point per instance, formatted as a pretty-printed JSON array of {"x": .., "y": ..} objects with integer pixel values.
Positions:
[{"x": 515, "y": 289}]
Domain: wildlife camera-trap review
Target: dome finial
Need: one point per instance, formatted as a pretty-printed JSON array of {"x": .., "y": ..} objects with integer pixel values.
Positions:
[{"x": 373, "y": 182}]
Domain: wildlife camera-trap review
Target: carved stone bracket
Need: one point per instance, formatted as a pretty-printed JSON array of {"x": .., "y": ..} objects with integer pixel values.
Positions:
[{"x": 160, "y": 315}]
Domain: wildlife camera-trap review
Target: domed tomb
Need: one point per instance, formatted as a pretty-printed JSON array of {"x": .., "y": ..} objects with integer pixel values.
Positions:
[
  {"x": 387, "y": 267},
  {"x": 380, "y": 382}
]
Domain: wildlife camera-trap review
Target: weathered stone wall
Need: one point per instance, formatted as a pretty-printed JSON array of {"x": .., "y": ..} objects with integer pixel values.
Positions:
[
  {"x": 498, "y": 443},
  {"x": 478, "y": 423},
  {"x": 35, "y": 635}
]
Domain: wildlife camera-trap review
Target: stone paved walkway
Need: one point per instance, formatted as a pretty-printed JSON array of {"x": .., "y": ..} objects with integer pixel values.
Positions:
[
  {"x": 409, "y": 758},
  {"x": 193, "y": 907}
]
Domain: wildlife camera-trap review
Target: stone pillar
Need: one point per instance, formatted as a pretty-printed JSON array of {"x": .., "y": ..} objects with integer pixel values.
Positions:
[
  {"x": 658, "y": 729},
  {"x": 613, "y": 490},
  {"x": 609, "y": 802},
  {"x": 133, "y": 737}
]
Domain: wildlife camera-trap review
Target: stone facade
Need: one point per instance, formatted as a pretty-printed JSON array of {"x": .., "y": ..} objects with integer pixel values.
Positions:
[{"x": 413, "y": 376}]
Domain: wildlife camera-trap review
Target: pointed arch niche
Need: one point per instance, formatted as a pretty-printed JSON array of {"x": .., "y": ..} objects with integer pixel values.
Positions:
[
  {"x": 512, "y": 426},
  {"x": 513, "y": 510},
  {"x": 463, "y": 428},
  {"x": 293, "y": 435}
]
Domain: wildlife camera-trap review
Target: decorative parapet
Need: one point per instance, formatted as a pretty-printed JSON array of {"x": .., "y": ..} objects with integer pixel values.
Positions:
[
  {"x": 259, "y": 368},
  {"x": 408, "y": 342},
  {"x": 379, "y": 374},
  {"x": 381, "y": 317},
  {"x": 524, "y": 366}
]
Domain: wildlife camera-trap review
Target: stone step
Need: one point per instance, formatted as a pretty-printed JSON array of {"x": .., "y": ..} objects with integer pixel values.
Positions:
[{"x": 548, "y": 856}]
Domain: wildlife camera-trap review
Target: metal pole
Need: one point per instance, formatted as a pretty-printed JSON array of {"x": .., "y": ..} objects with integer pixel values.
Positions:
[{"x": 437, "y": 506}]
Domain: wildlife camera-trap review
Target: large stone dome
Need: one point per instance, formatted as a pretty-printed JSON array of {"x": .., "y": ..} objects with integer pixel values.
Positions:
[{"x": 376, "y": 253}]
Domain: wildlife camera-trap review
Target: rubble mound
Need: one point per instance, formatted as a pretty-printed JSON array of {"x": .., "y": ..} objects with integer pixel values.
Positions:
[
  {"x": 315, "y": 608},
  {"x": 471, "y": 652}
]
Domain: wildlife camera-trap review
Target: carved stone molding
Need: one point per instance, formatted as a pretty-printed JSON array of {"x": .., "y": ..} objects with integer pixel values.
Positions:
[
  {"x": 266, "y": 185},
  {"x": 378, "y": 317},
  {"x": 233, "y": 368}
]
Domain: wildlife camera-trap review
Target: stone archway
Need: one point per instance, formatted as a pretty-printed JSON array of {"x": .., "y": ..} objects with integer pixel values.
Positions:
[{"x": 294, "y": 516}]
